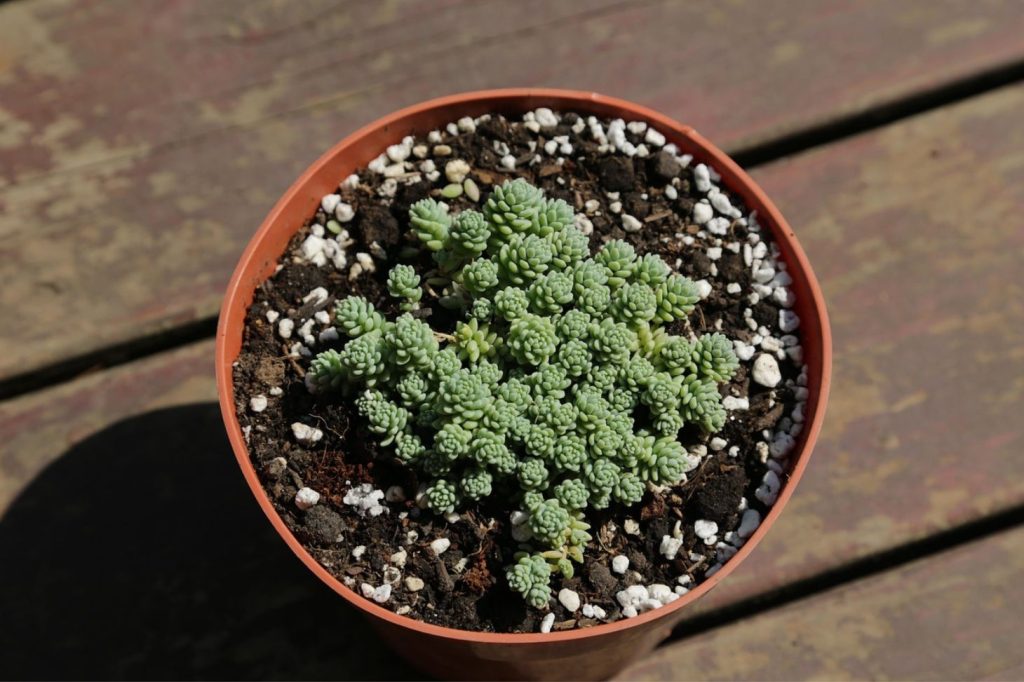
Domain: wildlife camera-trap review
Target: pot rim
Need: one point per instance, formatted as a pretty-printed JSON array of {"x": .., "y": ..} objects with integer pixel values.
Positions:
[{"x": 563, "y": 99}]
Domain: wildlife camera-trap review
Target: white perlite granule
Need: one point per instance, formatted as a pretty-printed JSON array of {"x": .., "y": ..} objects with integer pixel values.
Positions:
[
  {"x": 306, "y": 498},
  {"x": 258, "y": 403},
  {"x": 569, "y": 599},
  {"x": 766, "y": 371},
  {"x": 620, "y": 564},
  {"x": 306, "y": 434},
  {"x": 440, "y": 546},
  {"x": 366, "y": 499}
]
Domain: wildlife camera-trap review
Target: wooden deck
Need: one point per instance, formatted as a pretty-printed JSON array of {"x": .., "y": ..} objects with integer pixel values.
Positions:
[{"x": 141, "y": 144}]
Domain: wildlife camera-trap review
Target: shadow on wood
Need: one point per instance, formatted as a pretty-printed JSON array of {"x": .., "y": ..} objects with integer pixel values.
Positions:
[{"x": 140, "y": 554}]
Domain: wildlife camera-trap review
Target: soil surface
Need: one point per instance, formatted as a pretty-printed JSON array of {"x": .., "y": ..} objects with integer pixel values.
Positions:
[{"x": 464, "y": 587}]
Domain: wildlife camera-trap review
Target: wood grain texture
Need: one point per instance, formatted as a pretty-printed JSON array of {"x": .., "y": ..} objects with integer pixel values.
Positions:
[
  {"x": 141, "y": 144},
  {"x": 132, "y": 548},
  {"x": 915, "y": 232},
  {"x": 952, "y": 616}
]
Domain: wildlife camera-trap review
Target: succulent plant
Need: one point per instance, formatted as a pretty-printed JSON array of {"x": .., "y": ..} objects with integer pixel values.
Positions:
[
  {"x": 404, "y": 283},
  {"x": 430, "y": 222},
  {"x": 550, "y": 374},
  {"x": 513, "y": 208},
  {"x": 356, "y": 316}
]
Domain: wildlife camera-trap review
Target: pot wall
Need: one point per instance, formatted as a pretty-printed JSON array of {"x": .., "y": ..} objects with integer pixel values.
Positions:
[{"x": 590, "y": 653}]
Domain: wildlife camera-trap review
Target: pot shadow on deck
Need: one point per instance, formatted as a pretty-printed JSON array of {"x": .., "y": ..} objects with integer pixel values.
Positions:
[{"x": 140, "y": 553}]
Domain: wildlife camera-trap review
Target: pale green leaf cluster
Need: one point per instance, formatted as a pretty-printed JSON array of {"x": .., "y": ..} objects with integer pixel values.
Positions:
[{"x": 559, "y": 387}]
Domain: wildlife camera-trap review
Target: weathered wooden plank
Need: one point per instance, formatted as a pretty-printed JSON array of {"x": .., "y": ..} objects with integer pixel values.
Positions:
[
  {"x": 914, "y": 230},
  {"x": 132, "y": 548},
  {"x": 140, "y": 145},
  {"x": 951, "y": 616}
]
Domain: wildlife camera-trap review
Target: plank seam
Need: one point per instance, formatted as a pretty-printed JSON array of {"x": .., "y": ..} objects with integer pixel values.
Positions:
[
  {"x": 860, "y": 569},
  {"x": 749, "y": 157}
]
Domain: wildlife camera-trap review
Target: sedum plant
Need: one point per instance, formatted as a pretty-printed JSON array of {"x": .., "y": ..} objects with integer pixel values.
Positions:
[{"x": 559, "y": 387}]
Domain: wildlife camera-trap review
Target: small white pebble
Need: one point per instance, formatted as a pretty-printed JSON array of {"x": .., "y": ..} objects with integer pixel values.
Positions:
[
  {"x": 391, "y": 575},
  {"x": 703, "y": 288},
  {"x": 615, "y": 207},
  {"x": 330, "y": 202},
  {"x": 630, "y": 224},
  {"x": 714, "y": 253},
  {"x": 629, "y": 612},
  {"x": 654, "y": 138},
  {"x": 670, "y": 546},
  {"x": 632, "y": 595},
  {"x": 701, "y": 177},
  {"x": 620, "y": 563},
  {"x": 285, "y": 328},
  {"x": 402, "y": 610},
  {"x": 766, "y": 371},
  {"x": 358, "y": 551},
  {"x": 717, "y": 444},
  {"x": 719, "y": 226},
  {"x": 456, "y": 170},
  {"x": 272, "y": 316},
  {"x": 732, "y": 403},
  {"x": 508, "y": 162},
  {"x": 398, "y": 152},
  {"x": 788, "y": 321},
  {"x": 382, "y": 593},
  {"x": 306, "y": 498},
  {"x": 583, "y": 224},
  {"x": 466, "y": 124},
  {"x": 733, "y": 288},
  {"x": 399, "y": 558},
  {"x": 344, "y": 212},
  {"x": 721, "y": 203},
  {"x": 440, "y": 546},
  {"x": 705, "y": 529},
  {"x": 702, "y": 212},
  {"x": 662, "y": 593},
  {"x": 768, "y": 491},
  {"x": 367, "y": 590},
  {"x": 258, "y": 403},
  {"x": 414, "y": 584},
  {"x": 547, "y": 623},
  {"x": 569, "y": 599},
  {"x": 782, "y": 444},
  {"x": 631, "y": 527},
  {"x": 546, "y": 118},
  {"x": 306, "y": 434},
  {"x": 671, "y": 193},
  {"x": 749, "y": 523},
  {"x": 588, "y": 610}
]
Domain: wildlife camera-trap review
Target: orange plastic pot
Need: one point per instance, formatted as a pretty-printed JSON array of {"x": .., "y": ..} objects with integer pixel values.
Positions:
[{"x": 589, "y": 653}]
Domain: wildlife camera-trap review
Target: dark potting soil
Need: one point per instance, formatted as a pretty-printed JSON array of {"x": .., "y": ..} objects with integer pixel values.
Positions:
[{"x": 465, "y": 586}]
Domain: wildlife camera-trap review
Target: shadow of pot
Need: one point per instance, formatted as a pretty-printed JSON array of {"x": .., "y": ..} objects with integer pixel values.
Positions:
[{"x": 589, "y": 653}]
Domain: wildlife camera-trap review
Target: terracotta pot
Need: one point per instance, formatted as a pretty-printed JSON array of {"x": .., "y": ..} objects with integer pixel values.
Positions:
[{"x": 590, "y": 653}]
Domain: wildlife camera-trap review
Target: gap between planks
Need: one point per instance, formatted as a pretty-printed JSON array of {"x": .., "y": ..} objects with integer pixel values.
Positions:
[{"x": 748, "y": 157}]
